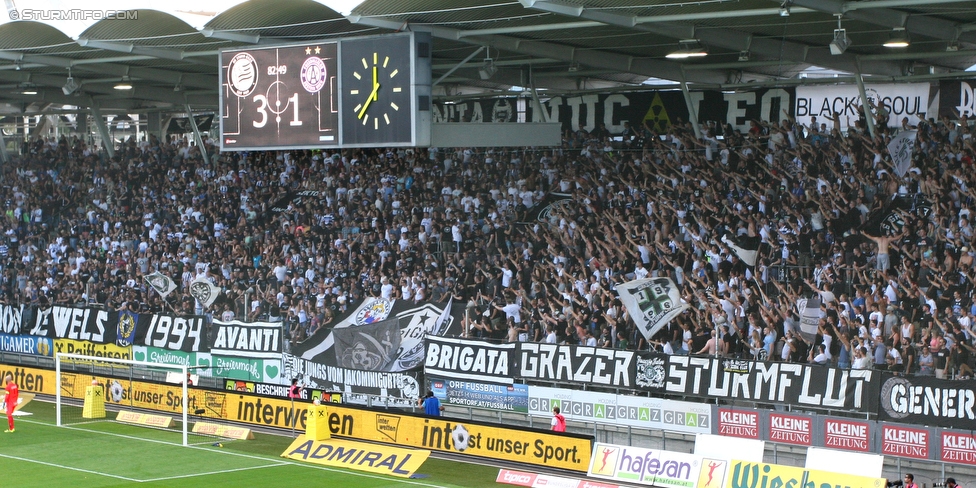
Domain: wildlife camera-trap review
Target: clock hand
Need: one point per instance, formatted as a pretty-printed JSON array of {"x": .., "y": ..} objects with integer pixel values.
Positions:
[
  {"x": 372, "y": 96},
  {"x": 376, "y": 85}
]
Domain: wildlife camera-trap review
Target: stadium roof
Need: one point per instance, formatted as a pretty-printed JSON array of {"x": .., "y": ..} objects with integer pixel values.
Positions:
[{"x": 167, "y": 49}]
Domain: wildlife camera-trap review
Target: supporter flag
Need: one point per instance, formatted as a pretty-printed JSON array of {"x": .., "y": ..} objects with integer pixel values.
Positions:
[
  {"x": 747, "y": 248},
  {"x": 161, "y": 283},
  {"x": 809, "y": 318},
  {"x": 900, "y": 148},
  {"x": 371, "y": 347},
  {"x": 651, "y": 302},
  {"x": 543, "y": 211},
  {"x": 204, "y": 291},
  {"x": 443, "y": 321}
]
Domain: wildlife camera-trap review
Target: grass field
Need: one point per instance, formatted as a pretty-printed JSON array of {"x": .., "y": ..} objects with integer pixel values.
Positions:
[{"x": 108, "y": 454}]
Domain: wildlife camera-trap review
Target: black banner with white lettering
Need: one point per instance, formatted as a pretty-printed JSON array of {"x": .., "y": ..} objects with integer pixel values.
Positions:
[
  {"x": 532, "y": 361},
  {"x": 662, "y": 109},
  {"x": 488, "y": 110},
  {"x": 926, "y": 400},
  {"x": 576, "y": 364},
  {"x": 11, "y": 318},
  {"x": 957, "y": 98},
  {"x": 251, "y": 340},
  {"x": 80, "y": 324},
  {"x": 183, "y": 333},
  {"x": 762, "y": 382},
  {"x": 470, "y": 360}
]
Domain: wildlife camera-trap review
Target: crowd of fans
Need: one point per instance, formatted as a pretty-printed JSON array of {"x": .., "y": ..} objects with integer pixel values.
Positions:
[{"x": 895, "y": 282}]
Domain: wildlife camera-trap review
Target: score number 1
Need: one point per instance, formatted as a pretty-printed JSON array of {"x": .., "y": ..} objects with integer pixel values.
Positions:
[{"x": 263, "y": 108}]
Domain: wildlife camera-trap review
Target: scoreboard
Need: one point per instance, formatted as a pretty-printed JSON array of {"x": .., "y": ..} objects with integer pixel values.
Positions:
[{"x": 372, "y": 91}]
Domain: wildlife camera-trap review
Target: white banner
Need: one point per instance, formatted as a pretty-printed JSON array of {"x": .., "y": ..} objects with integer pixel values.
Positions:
[
  {"x": 610, "y": 408},
  {"x": 655, "y": 467},
  {"x": 809, "y": 318},
  {"x": 902, "y": 100},
  {"x": 651, "y": 302}
]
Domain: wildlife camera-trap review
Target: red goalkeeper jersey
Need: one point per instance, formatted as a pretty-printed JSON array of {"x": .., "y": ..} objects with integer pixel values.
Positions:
[{"x": 12, "y": 393}]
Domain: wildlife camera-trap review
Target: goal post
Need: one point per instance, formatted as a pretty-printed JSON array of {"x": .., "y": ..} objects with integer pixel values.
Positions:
[{"x": 78, "y": 376}]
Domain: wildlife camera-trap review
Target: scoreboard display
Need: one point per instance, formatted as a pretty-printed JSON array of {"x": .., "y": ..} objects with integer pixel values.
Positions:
[{"x": 372, "y": 91}]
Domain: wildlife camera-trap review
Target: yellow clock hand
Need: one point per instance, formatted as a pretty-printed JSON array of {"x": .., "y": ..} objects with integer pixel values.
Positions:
[
  {"x": 372, "y": 96},
  {"x": 376, "y": 85}
]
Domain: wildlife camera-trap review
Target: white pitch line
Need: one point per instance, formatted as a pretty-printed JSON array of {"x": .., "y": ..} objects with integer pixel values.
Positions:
[
  {"x": 251, "y": 456},
  {"x": 214, "y": 472},
  {"x": 55, "y": 465}
]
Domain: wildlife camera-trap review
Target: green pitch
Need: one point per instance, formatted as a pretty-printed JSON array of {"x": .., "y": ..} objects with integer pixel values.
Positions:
[{"x": 109, "y": 454}]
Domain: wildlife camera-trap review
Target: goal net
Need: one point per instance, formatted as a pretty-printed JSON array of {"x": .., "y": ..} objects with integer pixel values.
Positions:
[{"x": 105, "y": 393}]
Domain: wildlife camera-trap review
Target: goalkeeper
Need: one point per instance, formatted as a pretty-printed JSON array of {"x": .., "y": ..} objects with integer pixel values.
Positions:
[{"x": 10, "y": 401}]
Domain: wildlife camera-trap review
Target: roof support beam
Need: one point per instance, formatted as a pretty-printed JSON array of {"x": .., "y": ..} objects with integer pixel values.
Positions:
[
  {"x": 232, "y": 36},
  {"x": 874, "y": 12},
  {"x": 731, "y": 39},
  {"x": 594, "y": 58},
  {"x": 133, "y": 49}
]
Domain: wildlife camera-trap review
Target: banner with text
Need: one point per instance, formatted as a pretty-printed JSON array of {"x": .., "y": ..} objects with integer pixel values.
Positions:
[
  {"x": 476, "y": 394},
  {"x": 906, "y": 100},
  {"x": 653, "y": 467},
  {"x": 314, "y": 361},
  {"x": 246, "y": 339},
  {"x": 623, "y": 410},
  {"x": 747, "y": 380},
  {"x": 957, "y": 98},
  {"x": 744, "y": 474},
  {"x": 659, "y": 110},
  {"x": 928, "y": 401},
  {"x": 26, "y": 344}
]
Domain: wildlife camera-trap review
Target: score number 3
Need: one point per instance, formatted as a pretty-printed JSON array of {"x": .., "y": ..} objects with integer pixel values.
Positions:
[{"x": 263, "y": 108}]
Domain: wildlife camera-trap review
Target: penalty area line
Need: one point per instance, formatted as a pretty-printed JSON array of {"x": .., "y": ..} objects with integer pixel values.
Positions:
[
  {"x": 82, "y": 470},
  {"x": 223, "y": 471}
]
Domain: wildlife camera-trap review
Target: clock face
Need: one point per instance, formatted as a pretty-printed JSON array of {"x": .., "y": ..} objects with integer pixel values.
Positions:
[{"x": 376, "y": 91}]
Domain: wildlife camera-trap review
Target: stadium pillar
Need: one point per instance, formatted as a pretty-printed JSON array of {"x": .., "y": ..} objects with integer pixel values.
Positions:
[
  {"x": 102, "y": 128},
  {"x": 537, "y": 105},
  {"x": 868, "y": 113},
  {"x": 3, "y": 149},
  {"x": 692, "y": 116},
  {"x": 196, "y": 135}
]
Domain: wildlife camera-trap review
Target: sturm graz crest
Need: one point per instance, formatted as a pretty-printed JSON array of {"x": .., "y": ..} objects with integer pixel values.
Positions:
[
  {"x": 650, "y": 372},
  {"x": 203, "y": 292}
]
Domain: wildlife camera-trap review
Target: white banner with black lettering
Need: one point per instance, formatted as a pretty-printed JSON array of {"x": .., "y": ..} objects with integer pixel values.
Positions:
[
  {"x": 651, "y": 302},
  {"x": 909, "y": 100},
  {"x": 251, "y": 340},
  {"x": 613, "y": 409},
  {"x": 901, "y": 148}
]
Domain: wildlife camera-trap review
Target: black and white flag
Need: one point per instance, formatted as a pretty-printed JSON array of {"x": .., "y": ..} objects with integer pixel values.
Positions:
[
  {"x": 651, "y": 302},
  {"x": 204, "y": 291},
  {"x": 809, "y": 317},
  {"x": 747, "y": 248},
  {"x": 371, "y": 347},
  {"x": 161, "y": 283}
]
